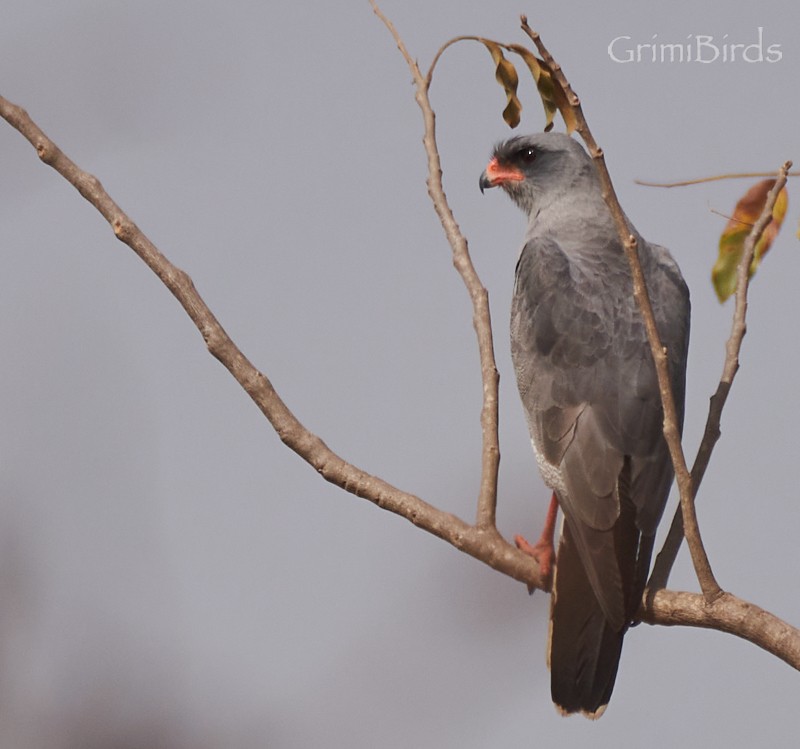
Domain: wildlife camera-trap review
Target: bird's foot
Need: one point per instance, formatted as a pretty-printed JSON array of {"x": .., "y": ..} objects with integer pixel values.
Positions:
[{"x": 543, "y": 551}]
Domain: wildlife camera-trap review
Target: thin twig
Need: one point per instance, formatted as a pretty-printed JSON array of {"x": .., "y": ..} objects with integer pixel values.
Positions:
[
  {"x": 481, "y": 317},
  {"x": 465, "y": 38},
  {"x": 440, "y": 52},
  {"x": 714, "y": 178},
  {"x": 711, "y": 434},
  {"x": 672, "y": 435},
  {"x": 736, "y": 220}
]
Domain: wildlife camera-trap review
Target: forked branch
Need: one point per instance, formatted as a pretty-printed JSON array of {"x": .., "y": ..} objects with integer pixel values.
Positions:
[
  {"x": 711, "y": 434},
  {"x": 481, "y": 315},
  {"x": 480, "y": 540},
  {"x": 672, "y": 433}
]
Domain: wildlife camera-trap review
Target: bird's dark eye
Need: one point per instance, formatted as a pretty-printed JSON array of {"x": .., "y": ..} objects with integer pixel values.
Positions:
[{"x": 526, "y": 155}]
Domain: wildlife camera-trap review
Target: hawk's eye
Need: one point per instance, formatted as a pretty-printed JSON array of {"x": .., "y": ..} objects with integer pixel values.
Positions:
[{"x": 526, "y": 155}]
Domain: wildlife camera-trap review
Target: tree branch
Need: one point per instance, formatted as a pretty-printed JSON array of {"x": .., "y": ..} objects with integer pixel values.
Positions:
[
  {"x": 672, "y": 435},
  {"x": 669, "y": 552},
  {"x": 481, "y": 540},
  {"x": 726, "y": 613},
  {"x": 714, "y": 178},
  {"x": 483, "y": 543},
  {"x": 481, "y": 316}
]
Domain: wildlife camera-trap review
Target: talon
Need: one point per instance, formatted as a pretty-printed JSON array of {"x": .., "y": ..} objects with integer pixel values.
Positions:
[{"x": 542, "y": 551}]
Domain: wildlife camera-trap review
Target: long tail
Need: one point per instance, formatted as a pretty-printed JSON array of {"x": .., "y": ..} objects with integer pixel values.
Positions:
[
  {"x": 584, "y": 651},
  {"x": 585, "y": 648}
]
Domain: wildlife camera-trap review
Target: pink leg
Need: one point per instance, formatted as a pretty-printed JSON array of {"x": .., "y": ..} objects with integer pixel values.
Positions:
[{"x": 543, "y": 550}]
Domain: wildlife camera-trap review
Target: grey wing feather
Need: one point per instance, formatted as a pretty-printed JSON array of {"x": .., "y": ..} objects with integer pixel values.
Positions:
[
  {"x": 652, "y": 474},
  {"x": 590, "y": 393}
]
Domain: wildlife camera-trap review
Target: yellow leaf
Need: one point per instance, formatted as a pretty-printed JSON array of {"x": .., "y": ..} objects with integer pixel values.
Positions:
[
  {"x": 731, "y": 243},
  {"x": 554, "y": 98},
  {"x": 506, "y": 75}
]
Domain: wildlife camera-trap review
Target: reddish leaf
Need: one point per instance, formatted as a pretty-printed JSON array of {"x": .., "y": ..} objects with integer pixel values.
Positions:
[{"x": 731, "y": 243}]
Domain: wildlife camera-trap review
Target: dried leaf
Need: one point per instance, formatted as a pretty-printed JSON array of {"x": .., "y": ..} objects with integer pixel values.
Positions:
[
  {"x": 731, "y": 243},
  {"x": 506, "y": 75},
  {"x": 554, "y": 98}
]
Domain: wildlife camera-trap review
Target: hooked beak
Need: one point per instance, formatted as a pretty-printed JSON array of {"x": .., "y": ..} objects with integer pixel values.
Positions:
[{"x": 495, "y": 174}]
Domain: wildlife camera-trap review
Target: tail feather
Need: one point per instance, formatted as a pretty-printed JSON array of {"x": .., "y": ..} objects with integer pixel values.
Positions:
[{"x": 584, "y": 650}]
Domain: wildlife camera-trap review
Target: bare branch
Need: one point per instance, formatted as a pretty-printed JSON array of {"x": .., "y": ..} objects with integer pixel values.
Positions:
[
  {"x": 711, "y": 434},
  {"x": 440, "y": 52},
  {"x": 481, "y": 319},
  {"x": 726, "y": 613},
  {"x": 715, "y": 178},
  {"x": 484, "y": 543},
  {"x": 481, "y": 540},
  {"x": 672, "y": 434},
  {"x": 449, "y": 43}
]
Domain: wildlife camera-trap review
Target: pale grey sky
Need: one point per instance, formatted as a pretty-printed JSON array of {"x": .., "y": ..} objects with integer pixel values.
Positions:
[{"x": 171, "y": 575}]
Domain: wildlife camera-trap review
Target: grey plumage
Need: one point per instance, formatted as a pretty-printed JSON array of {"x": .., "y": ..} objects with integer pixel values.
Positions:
[{"x": 589, "y": 389}]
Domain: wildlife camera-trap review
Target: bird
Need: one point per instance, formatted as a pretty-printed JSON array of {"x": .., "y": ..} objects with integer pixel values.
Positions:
[{"x": 592, "y": 402}]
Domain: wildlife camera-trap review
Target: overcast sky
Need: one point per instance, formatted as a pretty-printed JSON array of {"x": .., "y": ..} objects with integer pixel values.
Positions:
[{"x": 171, "y": 575}]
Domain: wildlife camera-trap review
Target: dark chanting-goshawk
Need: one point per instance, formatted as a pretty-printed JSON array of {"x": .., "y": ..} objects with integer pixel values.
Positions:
[{"x": 589, "y": 389}]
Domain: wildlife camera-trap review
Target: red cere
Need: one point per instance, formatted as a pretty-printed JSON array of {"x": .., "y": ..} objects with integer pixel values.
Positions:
[{"x": 498, "y": 174}]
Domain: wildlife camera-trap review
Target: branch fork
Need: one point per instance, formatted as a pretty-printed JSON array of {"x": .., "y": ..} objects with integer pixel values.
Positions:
[{"x": 713, "y": 609}]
